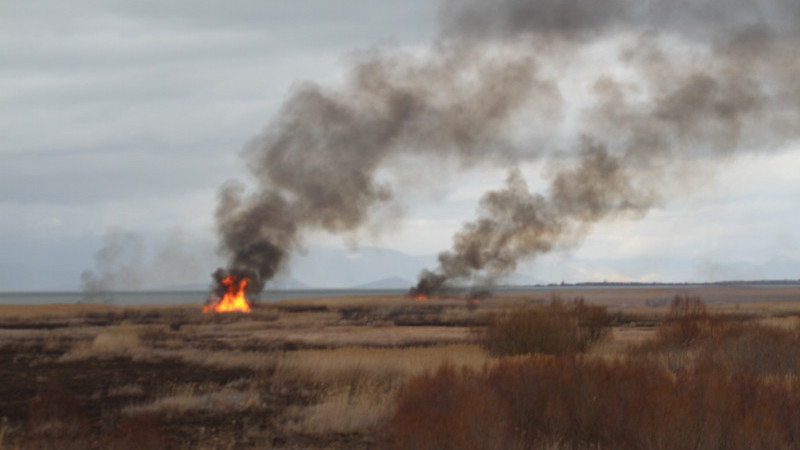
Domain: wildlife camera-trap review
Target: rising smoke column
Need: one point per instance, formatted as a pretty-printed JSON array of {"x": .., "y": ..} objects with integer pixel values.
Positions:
[
  {"x": 513, "y": 224},
  {"x": 316, "y": 162},
  {"x": 712, "y": 80},
  {"x": 681, "y": 86}
]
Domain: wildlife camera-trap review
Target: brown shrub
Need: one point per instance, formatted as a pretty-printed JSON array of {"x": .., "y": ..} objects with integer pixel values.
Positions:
[
  {"x": 753, "y": 348},
  {"x": 448, "y": 409},
  {"x": 594, "y": 322},
  {"x": 690, "y": 337},
  {"x": 684, "y": 323},
  {"x": 574, "y": 402},
  {"x": 555, "y": 329}
]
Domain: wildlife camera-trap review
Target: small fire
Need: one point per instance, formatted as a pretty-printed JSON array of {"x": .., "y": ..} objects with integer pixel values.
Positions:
[
  {"x": 233, "y": 299},
  {"x": 418, "y": 297}
]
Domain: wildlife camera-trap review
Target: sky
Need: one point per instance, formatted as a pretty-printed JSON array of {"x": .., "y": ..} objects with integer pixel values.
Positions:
[{"x": 124, "y": 118}]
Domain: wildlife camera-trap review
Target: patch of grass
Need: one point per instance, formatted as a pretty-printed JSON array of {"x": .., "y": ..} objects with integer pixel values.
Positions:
[
  {"x": 354, "y": 386},
  {"x": 352, "y": 367},
  {"x": 193, "y": 398},
  {"x": 127, "y": 390},
  {"x": 117, "y": 341},
  {"x": 231, "y": 359},
  {"x": 343, "y": 411},
  {"x": 29, "y": 312}
]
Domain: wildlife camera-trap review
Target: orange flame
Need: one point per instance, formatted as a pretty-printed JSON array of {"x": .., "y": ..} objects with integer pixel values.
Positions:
[
  {"x": 234, "y": 299},
  {"x": 418, "y": 297}
]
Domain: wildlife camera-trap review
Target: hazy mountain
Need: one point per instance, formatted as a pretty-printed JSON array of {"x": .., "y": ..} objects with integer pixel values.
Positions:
[
  {"x": 663, "y": 270},
  {"x": 286, "y": 283},
  {"x": 521, "y": 279},
  {"x": 386, "y": 283},
  {"x": 281, "y": 283},
  {"x": 381, "y": 268},
  {"x": 335, "y": 267}
]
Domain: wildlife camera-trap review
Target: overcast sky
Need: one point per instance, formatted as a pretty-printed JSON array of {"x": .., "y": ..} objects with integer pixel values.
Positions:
[{"x": 129, "y": 115}]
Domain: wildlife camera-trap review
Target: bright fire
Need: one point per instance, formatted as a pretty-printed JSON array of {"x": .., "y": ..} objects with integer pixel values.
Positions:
[
  {"x": 419, "y": 297},
  {"x": 234, "y": 299}
]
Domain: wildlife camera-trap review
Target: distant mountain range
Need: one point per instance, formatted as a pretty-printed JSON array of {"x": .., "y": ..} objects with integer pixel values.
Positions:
[
  {"x": 386, "y": 283},
  {"x": 380, "y": 268},
  {"x": 663, "y": 270}
]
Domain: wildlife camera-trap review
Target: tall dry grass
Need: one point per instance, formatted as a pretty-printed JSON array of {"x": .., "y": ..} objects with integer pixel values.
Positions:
[
  {"x": 354, "y": 366},
  {"x": 112, "y": 342},
  {"x": 193, "y": 398},
  {"x": 355, "y": 385},
  {"x": 53, "y": 310},
  {"x": 342, "y": 410}
]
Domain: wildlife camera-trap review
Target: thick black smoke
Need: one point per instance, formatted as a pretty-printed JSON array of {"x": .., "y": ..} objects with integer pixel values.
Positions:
[
  {"x": 513, "y": 224},
  {"x": 316, "y": 162},
  {"x": 618, "y": 97}
]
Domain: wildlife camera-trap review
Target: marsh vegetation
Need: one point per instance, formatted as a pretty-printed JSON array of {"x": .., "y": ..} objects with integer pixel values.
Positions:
[{"x": 516, "y": 371}]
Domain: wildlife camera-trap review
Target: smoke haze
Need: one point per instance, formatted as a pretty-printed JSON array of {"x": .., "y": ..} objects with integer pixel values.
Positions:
[
  {"x": 127, "y": 262},
  {"x": 624, "y": 102}
]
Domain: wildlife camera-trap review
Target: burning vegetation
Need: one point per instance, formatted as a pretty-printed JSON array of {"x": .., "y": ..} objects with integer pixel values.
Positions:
[{"x": 229, "y": 295}]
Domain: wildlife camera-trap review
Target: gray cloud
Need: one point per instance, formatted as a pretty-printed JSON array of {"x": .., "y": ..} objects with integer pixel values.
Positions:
[{"x": 121, "y": 103}]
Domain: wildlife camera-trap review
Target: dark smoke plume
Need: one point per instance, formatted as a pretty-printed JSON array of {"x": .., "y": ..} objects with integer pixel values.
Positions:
[
  {"x": 513, "y": 224},
  {"x": 624, "y": 100},
  {"x": 316, "y": 162}
]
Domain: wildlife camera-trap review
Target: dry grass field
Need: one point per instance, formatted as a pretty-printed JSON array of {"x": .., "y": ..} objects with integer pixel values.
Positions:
[{"x": 386, "y": 372}]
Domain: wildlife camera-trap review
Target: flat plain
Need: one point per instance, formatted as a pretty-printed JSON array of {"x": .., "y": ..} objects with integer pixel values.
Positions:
[{"x": 301, "y": 373}]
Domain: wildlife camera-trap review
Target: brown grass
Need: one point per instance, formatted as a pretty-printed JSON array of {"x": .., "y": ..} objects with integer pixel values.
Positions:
[
  {"x": 342, "y": 411},
  {"x": 53, "y": 310},
  {"x": 356, "y": 384},
  {"x": 326, "y": 373},
  {"x": 357, "y": 366},
  {"x": 191, "y": 398}
]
